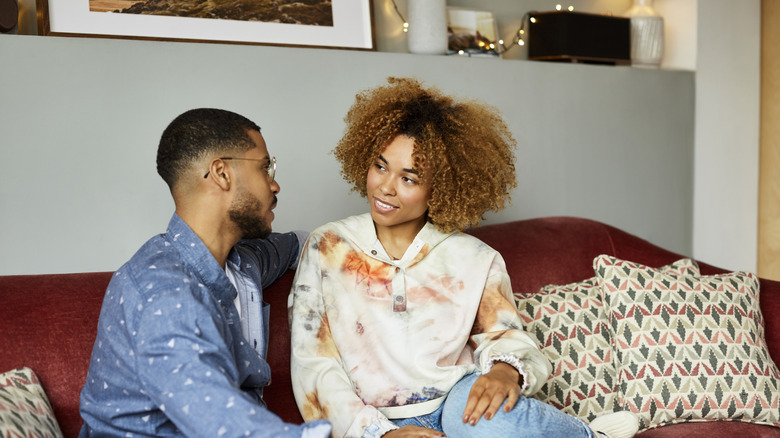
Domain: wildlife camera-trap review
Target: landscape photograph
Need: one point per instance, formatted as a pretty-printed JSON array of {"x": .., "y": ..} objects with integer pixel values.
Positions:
[{"x": 304, "y": 12}]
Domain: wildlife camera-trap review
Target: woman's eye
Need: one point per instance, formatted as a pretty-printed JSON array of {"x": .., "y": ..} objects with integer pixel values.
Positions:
[
  {"x": 408, "y": 180},
  {"x": 379, "y": 166}
]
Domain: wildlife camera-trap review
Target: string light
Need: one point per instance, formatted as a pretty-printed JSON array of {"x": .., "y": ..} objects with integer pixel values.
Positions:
[
  {"x": 406, "y": 23},
  {"x": 517, "y": 39}
]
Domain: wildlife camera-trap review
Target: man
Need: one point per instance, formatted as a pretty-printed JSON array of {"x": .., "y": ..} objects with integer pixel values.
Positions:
[{"x": 182, "y": 334}]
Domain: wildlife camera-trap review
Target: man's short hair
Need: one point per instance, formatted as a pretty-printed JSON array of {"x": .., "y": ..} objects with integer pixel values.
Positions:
[{"x": 200, "y": 133}]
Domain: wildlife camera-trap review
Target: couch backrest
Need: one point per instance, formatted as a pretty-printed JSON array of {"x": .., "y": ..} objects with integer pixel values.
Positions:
[
  {"x": 560, "y": 250},
  {"x": 278, "y": 395},
  {"x": 48, "y": 323}
]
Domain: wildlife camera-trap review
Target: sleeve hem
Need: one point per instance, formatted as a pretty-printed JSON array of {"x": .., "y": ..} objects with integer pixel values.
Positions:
[
  {"x": 509, "y": 359},
  {"x": 378, "y": 428},
  {"x": 316, "y": 429}
]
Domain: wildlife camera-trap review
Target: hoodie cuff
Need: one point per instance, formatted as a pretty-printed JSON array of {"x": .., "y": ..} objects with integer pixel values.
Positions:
[{"x": 512, "y": 360}]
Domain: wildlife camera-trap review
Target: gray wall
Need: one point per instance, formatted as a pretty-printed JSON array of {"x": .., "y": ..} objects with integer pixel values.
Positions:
[
  {"x": 80, "y": 119},
  {"x": 727, "y": 133}
]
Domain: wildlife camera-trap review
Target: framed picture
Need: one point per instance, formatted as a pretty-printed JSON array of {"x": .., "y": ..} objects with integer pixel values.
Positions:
[
  {"x": 471, "y": 32},
  {"x": 343, "y": 24}
]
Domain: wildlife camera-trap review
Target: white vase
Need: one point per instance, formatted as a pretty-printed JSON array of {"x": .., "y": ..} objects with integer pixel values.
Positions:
[
  {"x": 427, "y": 33},
  {"x": 647, "y": 34}
]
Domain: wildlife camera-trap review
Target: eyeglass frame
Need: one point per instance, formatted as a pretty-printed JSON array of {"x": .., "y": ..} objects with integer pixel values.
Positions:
[{"x": 271, "y": 171}]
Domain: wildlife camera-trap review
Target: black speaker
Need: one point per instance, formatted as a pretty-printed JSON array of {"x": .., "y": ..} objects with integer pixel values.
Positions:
[
  {"x": 9, "y": 15},
  {"x": 579, "y": 37}
]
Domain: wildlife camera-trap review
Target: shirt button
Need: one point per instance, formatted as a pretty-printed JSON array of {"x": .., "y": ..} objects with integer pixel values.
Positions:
[
  {"x": 399, "y": 298},
  {"x": 373, "y": 252}
]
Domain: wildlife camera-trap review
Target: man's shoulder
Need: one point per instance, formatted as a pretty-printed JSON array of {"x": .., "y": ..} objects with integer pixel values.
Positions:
[
  {"x": 156, "y": 260},
  {"x": 158, "y": 250}
]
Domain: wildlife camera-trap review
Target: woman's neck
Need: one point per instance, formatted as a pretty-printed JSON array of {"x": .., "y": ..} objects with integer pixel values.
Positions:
[{"x": 396, "y": 239}]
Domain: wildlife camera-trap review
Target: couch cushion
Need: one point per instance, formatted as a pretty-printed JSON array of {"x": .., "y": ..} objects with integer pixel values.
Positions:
[
  {"x": 686, "y": 348},
  {"x": 24, "y": 408},
  {"x": 570, "y": 325}
]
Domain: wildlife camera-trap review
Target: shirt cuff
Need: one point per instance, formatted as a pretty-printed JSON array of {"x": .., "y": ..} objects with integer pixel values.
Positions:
[
  {"x": 378, "y": 428},
  {"x": 316, "y": 429},
  {"x": 512, "y": 360}
]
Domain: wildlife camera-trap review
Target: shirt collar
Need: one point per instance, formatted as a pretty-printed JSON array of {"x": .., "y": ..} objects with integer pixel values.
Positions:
[{"x": 198, "y": 257}]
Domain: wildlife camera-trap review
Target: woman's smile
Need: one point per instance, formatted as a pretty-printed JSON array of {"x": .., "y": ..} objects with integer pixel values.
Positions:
[{"x": 383, "y": 207}]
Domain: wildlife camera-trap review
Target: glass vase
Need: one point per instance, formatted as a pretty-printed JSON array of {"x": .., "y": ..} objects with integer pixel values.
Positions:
[{"x": 647, "y": 34}]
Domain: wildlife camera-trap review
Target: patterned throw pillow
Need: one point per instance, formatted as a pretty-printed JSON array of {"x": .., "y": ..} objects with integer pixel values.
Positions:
[
  {"x": 24, "y": 407},
  {"x": 570, "y": 325},
  {"x": 688, "y": 349}
]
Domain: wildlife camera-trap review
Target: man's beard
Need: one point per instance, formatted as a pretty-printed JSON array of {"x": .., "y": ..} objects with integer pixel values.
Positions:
[{"x": 244, "y": 213}]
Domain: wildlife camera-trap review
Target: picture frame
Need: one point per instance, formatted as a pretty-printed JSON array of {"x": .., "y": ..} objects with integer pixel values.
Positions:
[
  {"x": 471, "y": 32},
  {"x": 344, "y": 24}
]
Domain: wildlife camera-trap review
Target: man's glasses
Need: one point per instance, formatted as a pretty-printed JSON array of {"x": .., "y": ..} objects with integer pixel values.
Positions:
[{"x": 270, "y": 169}]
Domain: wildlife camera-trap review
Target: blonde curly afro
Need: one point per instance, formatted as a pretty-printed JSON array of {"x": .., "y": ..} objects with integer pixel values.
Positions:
[{"x": 463, "y": 148}]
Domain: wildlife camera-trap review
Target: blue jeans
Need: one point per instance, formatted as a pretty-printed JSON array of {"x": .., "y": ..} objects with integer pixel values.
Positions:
[{"x": 530, "y": 418}]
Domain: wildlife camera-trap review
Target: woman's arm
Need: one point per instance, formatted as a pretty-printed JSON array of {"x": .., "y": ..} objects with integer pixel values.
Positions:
[
  {"x": 321, "y": 386},
  {"x": 511, "y": 361}
]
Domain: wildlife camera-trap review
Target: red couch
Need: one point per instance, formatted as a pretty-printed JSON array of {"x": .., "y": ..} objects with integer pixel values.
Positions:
[{"x": 48, "y": 322}]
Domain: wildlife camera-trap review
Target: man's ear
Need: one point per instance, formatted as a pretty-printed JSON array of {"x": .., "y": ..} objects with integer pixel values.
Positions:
[{"x": 219, "y": 174}]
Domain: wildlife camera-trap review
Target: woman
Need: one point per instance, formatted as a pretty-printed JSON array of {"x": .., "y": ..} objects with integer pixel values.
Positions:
[{"x": 401, "y": 324}]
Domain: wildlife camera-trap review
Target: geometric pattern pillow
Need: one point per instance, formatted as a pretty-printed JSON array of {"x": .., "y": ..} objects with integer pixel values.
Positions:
[
  {"x": 569, "y": 323},
  {"x": 24, "y": 408},
  {"x": 688, "y": 349}
]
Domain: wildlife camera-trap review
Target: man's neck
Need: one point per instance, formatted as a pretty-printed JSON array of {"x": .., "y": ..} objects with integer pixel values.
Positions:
[{"x": 218, "y": 236}]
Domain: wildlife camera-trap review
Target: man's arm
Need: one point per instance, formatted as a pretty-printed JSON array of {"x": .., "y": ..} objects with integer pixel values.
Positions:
[
  {"x": 273, "y": 256},
  {"x": 186, "y": 367}
]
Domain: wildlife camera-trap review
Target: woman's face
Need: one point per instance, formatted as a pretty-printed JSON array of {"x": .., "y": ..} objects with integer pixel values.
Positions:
[{"x": 396, "y": 194}]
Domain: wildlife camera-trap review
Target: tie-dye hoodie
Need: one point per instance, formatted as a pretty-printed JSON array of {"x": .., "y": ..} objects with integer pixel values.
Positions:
[{"x": 375, "y": 338}]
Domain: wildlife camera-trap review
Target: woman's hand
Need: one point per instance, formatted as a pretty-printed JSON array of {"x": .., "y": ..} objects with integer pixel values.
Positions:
[
  {"x": 412, "y": 432},
  {"x": 490, "y": 390}
]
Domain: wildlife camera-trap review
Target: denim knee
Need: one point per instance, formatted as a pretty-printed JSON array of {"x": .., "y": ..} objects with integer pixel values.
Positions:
[{"x": 530, "y": 418}]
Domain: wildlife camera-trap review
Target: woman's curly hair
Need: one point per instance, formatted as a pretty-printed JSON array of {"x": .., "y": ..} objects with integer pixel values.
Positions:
[{"x": 463, "y": 148}]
